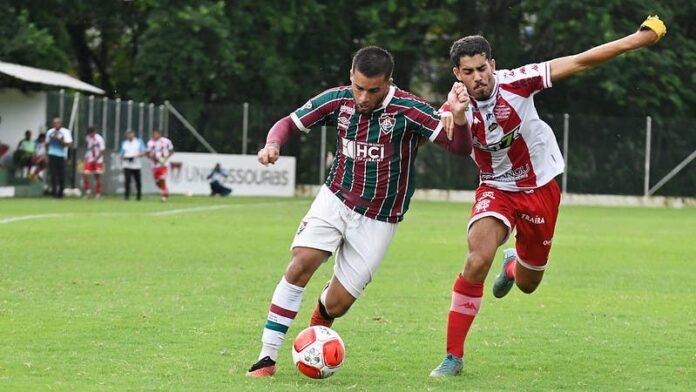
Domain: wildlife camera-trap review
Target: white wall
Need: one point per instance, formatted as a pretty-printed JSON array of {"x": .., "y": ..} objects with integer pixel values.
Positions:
[
  {"x": 19, "y": 112},
  {"x": 245, "y": 175}
]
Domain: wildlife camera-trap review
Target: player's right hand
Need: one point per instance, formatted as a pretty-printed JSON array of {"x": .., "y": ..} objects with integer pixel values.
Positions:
[
  {"x": 268, "y": 154},
  {"x": 656, "y": 25}
]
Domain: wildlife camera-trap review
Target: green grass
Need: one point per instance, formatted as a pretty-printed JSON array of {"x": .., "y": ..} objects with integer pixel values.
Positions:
[{"x": 107, "y": 296}]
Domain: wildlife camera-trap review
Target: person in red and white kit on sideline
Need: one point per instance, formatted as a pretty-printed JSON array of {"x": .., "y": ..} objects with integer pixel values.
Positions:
[
  {"x": 94, "y": 162},
  {"x": 518, "y": 158},
  {"x": 159, "y": 149}
]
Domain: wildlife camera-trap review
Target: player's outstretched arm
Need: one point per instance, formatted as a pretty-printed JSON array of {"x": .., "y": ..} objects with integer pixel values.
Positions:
[
  {"x": 650, "y": 31},
  {"x": 277, "y": 136},
  {"x": 457, "y": 136}
]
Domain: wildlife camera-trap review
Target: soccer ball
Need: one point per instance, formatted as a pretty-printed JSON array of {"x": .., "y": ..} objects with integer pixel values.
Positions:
[{"x": 318, "y": 352}]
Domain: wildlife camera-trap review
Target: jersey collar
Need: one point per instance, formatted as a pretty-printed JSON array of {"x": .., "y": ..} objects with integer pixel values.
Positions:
[{"x": 388, "y": 98}]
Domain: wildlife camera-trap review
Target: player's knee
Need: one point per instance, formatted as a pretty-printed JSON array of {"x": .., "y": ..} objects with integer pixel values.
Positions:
[
  {"x": 302, "y": 266},
  {"x": 337, "y": 309},
  {"x": 477, "y": 266}
]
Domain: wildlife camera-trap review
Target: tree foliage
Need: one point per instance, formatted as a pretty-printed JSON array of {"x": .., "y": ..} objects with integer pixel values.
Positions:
[{"x": 279, "y": 53}]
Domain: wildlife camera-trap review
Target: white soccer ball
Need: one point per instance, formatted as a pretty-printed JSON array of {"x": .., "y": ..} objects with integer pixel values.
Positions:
[
  {"x": 318, "y": 352},
  {"x": 76, "y": 192}
]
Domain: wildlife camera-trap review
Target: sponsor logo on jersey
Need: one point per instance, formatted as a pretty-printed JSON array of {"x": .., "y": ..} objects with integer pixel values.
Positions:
[
  {"x": 386, "y": 122},
  {"x": 362, "y": 151},
  {"x": 517, "y": 174},
  {"x": 547, "y": 242},
  {"x": 348, "y": 110},
  {"x": 308, "y": 105},
  {"x": 505, "y": 142},
  {"x": 537, "y": 220}
]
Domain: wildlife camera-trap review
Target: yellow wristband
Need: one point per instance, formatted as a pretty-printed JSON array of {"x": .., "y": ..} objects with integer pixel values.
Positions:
[{"x": 655, "y": 24}]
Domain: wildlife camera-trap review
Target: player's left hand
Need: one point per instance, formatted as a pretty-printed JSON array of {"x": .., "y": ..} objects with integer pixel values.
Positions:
[
  {"x": 656, "y": 25},
  {"x": 447, "y": 119}
]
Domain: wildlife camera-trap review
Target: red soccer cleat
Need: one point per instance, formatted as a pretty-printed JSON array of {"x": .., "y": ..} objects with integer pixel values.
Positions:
[{"x": 265, "y": 367}]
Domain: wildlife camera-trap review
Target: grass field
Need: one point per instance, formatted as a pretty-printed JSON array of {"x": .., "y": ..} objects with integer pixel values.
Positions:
[{"x": 109, "y": 295}]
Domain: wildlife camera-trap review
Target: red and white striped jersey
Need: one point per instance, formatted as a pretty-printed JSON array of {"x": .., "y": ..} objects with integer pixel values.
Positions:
[
  {"x": 159, "y": 148},
  {"x": 513, "y": 148},
  {"x": 95, "y": 144}
]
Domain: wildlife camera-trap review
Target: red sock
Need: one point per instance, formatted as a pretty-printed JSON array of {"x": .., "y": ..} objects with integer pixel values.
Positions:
[
  {"x": 163, "y": 187},
  {"x": 510, "y": 269},
  {"x": 466, "y": 301},
  {"x": 86, "y": 184},
  {"x": 318, "y": 319},
  {"x": 98, "y": 186}
]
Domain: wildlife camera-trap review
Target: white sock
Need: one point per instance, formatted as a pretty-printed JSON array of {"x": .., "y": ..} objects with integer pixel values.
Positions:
[{"x": 284, "y": 306}]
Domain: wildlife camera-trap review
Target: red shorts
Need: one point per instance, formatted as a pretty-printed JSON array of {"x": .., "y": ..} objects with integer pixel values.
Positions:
[
  {"x": 160, "y": 173},
  {"x": 532, "y": 213},
  {"x": 92, "y": 167}
]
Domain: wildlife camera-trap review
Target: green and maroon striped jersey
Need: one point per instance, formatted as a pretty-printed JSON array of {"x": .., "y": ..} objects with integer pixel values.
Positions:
[{"x": 373, "y": 172}]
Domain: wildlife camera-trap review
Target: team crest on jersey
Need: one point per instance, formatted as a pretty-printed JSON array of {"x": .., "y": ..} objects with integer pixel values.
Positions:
[
  {"x": 482, "y": 205},
  {"x": 387, "y": 122},
  {"x": 502, "y": 112},
  {"x": 492, "y": 127}
]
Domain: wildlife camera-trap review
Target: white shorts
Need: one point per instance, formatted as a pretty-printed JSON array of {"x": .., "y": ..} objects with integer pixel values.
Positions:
[{"x": 359, "y": 242}]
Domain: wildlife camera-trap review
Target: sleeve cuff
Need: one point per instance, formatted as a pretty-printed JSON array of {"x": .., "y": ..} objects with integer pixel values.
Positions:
[{"x": 298, "y": 123}]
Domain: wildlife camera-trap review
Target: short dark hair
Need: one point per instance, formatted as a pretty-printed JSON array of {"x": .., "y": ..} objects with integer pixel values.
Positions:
[
  {"x": 373, "y": 61},
  {"x": 91, "y": 129},
  {"x": 469, "y": 46}
]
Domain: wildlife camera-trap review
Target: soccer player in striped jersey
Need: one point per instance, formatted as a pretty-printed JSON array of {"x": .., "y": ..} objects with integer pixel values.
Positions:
[
  {"x": 367, "y": 191},
  {"x": 518, "y": 158},
  {"x": 94, "y": 161}
]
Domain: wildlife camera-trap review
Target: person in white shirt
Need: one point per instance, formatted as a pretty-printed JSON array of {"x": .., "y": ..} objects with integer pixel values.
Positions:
[
  {"x": 217, "y": 180},
  {"x": 131, "y": 150},
  {"x": 94, "y": 161},
  {"x": 58, "y": 140}
]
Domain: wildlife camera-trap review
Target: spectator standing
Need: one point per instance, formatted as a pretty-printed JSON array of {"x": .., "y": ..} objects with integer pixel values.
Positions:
[
  {"x": 58, "y": 140},
  {"x": 131, "y": 150}
]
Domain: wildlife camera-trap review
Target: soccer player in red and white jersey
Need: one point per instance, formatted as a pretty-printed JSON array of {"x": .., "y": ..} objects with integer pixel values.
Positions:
[
  {"x": 94, "y": 161},
  {"x": 367, "y": 191},
  {"x": 518, "y": 158},
  {"x": 159, "y": 149}
]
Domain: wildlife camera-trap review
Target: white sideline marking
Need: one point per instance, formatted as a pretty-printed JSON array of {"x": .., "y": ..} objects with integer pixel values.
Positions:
[
  {"x": 159, "y": 213},
  {"x": 185, "y": 210},
  {"x": 30, "y": 217},
  {"x": 210, "y": 208}
]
